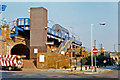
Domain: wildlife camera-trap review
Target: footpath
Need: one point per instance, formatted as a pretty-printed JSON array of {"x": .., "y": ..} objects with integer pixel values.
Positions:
[{"x": 78, "y": 70}]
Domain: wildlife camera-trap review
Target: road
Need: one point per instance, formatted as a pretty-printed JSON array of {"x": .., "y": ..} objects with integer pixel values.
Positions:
[{"x": 36, "y": 74}]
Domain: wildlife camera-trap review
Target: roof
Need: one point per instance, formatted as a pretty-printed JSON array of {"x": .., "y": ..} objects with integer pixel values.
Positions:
[{"x": 58, "y": 28}]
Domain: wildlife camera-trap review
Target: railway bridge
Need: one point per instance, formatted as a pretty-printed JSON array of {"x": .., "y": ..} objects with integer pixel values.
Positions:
[{"x": 32, "y": 35}]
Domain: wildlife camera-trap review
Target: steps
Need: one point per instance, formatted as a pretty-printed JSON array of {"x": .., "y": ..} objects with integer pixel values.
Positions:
[
  {"x": 29, "y": 64},
  {"x": 64, "y": 46}
]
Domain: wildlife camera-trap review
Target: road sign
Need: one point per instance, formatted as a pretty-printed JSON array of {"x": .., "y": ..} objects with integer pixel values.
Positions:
[
  {"x": 95, "y": 51},
  {"x": 3, "y": 7}
]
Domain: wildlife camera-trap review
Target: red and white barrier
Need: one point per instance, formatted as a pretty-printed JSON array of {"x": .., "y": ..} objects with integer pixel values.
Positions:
[{"x": 11, "y": 60}]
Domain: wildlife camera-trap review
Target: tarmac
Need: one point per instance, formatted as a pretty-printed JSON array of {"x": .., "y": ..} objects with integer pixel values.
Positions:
[{"x": 78, "y": 70}]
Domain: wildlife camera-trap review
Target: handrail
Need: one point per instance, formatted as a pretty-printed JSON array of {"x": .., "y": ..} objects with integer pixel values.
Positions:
[
  {"x": 60, "y": 47},
  {"x": 65, "y": 59},
  {"x": 50, "y": 31},
  {"x": 55, "y": 33},
  {"x": 67, "y": 45}
]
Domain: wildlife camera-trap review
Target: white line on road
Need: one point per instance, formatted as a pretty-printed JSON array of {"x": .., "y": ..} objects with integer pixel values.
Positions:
[{"x": 9, "y": 71}]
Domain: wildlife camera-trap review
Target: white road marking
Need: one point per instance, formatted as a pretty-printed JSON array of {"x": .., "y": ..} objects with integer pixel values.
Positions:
[{"x": 9, "y": 71}]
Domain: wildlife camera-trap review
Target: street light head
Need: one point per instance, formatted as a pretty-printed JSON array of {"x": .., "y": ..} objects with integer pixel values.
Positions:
[
  {"x": 102, "y": 23},
  {"x": 46, "y": 28},
  {"x": 48, "y": 21},
  {"x": 29, "y": 11},
  {"x": 5, "y": 19}
]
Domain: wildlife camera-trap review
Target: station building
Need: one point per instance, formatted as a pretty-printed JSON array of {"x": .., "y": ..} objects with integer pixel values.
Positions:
[{"x": 31, "y": 36}]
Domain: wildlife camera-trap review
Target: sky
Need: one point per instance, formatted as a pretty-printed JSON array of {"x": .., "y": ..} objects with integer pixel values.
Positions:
[
  {"x": 79, "y": 16},
  {"x": 60, "y": 0}
]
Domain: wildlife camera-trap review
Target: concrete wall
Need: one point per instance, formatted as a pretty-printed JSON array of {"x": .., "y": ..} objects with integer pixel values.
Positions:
[
  {"x": 5, "y": 41},
  {"x": 52, "y": 60},
  {"x": 38, "y": 33}
]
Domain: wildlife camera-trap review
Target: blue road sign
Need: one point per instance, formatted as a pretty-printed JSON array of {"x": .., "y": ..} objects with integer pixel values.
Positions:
[
  {"x": 0, "y": 31},
  {"x": 3, "y": 7}
]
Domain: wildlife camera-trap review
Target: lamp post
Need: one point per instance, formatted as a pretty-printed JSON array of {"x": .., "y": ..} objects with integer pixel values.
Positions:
[
  {"x": 91, "y": 49},
  {"x": 91, "y": 44},
  {"x": 116, "y": 52},
  {"x": 51, "y": 22},
  {"x": 4, "y": 21},
  {"x": 0, "y": 14},
  {"x": 2, "y": 8},
  {"x": 115, "y": 47},
  {"x": 71, "y": 48}
]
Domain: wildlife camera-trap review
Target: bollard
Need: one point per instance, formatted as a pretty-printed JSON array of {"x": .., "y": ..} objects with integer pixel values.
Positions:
[
  {"x": 92, "y": 68},
  {"x": 95, "y": 69},
  {"x": 75, "y": 67},
  {"x": 89, "y": 67},
  {"x": 81, "y": 65},
  {"x": 85, "y": 67},
  {"x": 97, "y": 66},
  {"x": 65, "y": 67}
]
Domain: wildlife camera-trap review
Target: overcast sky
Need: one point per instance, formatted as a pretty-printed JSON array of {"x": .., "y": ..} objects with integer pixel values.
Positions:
[{"x": 79, "y": 16}]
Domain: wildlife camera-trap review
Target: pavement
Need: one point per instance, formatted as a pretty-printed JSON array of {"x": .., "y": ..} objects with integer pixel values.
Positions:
[
  {"x": 78, "y": 70},
  {"x": 107, "y": 72}
]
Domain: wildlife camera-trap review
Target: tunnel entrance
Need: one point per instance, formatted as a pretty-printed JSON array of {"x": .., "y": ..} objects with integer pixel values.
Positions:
[{"x": 21, "y": 49}]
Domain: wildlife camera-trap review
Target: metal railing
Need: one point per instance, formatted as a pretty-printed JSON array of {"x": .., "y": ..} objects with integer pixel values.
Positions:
[
  {"x": 60, "y": 47},
  {"x": 49, "y": 31},
  {"x": 58, "y": 34},
  {"x": 54, "y": 32}
]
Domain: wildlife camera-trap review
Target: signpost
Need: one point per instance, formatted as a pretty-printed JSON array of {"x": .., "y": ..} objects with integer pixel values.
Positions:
[
  {"x": 2, "y": 8},
  {"x": 95, "y": 51}
]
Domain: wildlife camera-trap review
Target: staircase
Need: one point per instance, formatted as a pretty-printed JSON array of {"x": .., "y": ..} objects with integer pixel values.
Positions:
[
  {"x": 63, "y": 46},
  {"x": 67, "y": 45}
]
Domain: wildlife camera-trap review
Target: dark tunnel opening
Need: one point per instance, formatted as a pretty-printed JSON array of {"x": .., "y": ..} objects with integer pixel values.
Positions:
[{"x": 21, "y": 49}]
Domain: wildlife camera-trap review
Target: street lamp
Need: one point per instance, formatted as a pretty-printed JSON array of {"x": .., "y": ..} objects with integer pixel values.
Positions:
[
  {"x": 50, "y": 22},
  {"x": 0, "y": 14},
  {"x": 91, "y": 45},
  {"x": 71, "y": 47},
  {"x": 28, "y": 10},
  {"x": 2, "y": 8},
  {"x": 4, "y": 21},
  {"x": 115, "y": 48}
]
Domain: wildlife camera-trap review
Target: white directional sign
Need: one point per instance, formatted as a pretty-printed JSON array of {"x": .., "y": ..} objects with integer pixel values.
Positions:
[{"x": 41, "y": 58}]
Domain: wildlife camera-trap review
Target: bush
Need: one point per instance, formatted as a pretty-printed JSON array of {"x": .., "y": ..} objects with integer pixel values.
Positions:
[
  {"x": 100, "y": 59},
  {"x": 84, "y": 60}
]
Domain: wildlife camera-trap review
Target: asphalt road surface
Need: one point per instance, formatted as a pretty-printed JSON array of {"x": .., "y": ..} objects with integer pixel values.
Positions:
[{"x": 35, "y": 74}]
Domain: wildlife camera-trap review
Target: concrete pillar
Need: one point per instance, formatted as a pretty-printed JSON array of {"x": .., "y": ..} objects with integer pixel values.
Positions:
[{"x": 38, "y": 33}]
